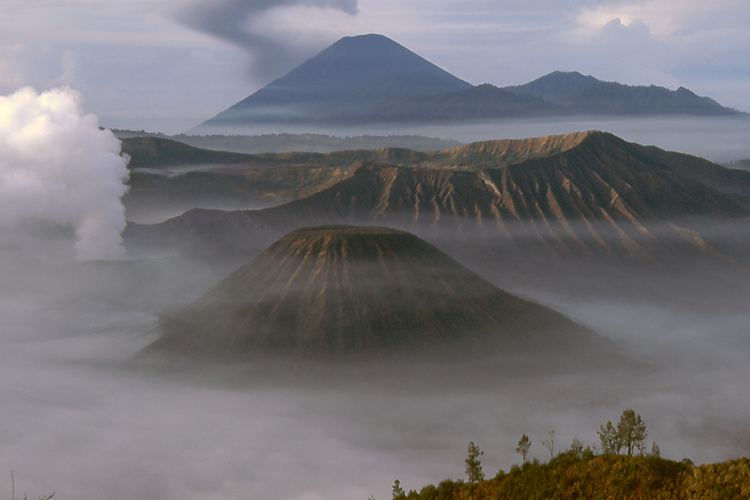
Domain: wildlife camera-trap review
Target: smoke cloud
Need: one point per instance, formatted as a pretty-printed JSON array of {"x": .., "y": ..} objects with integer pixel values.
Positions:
[
  {"x": 232, "y": 21},
  {"x": 58, "y": 168}
]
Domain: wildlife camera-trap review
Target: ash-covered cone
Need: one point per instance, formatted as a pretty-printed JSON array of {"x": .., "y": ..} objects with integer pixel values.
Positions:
[{"x": 343, "y": 289}]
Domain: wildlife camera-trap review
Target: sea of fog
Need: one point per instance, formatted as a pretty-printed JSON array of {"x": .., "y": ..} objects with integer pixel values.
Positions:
[
  {"x": 719, "y": 139},
  {"x": 85, "y": 416}
]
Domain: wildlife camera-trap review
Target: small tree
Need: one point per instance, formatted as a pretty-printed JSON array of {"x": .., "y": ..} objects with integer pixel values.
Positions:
[
  {"x": 523, "y": 447},
  {"x": 398, "y": 491},
  {"x": 549, "y": 443},
  {"x": 576, "y": 448},
  {"x": 655, "y": 450},
  {"x": 474, "y": 472},
  {"x": 630, "y": 435},
  {"x": 609, "y": 439},
  {"x": 631, "y": 431}
]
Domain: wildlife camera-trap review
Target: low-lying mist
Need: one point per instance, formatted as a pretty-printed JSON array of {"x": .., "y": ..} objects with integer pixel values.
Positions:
[
  {"x": 720, "y": 139},
  {"x": 88, "y": 418}
]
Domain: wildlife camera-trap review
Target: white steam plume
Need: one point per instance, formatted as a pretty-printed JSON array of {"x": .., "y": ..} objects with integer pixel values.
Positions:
[{"x": 58, "y": 167}]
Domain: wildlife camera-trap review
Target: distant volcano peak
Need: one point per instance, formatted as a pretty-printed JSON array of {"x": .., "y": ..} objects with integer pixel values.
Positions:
[
  {"x": 346, "y": 79},
  {"x": 370, "y": 40},
  {"x": 372, "y": 79}
]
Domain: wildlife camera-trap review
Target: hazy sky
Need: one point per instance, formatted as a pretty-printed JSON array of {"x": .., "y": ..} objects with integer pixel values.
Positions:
[{"x": 169, "y": 64}]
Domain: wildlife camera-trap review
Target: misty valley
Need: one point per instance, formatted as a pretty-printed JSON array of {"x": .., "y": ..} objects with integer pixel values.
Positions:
[
  {"x": 372, "y": 279},
  {"x": 524, "y": 286}
]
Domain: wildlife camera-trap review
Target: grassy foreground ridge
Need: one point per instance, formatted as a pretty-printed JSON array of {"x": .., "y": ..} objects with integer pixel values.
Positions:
[
  {"x": 623, "y": 471},
  {"x": 572, "y": 476}
]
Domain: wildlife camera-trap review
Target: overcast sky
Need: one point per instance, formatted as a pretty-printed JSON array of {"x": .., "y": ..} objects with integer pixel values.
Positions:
[{"x": 169, "y": 64}]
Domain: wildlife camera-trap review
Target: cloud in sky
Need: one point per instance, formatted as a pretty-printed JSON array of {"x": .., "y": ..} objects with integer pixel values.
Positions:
[
  {"x": 669, "y": 17},
  {"x": 236, "y": 21},
  {"x": 139, "y": 62}
]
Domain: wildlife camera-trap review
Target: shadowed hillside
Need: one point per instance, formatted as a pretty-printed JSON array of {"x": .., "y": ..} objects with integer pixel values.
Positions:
[
  {"x": 170, "y": 177},
  {"x": 586, "y": 95},
  {"x": 284, "y": 143},
  {"x": 158, "y": 152},
  {"x": 484, "y": 102},
  {"x": 229, "y": 187}
]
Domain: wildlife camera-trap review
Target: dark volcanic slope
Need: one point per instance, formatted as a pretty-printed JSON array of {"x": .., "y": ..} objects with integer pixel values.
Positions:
[
  {"x": 156, "y": 152},
  {"x": 150, "y": 152},
  {"x": 350, "y": 289},
  {"x": 581, "y": 94},
  {"x": 589, "y": 192},
  {"x": 484, "y": 102},
  {"x": 229, "y": 188},
  {"x": 343, "y": 81},
  {"x": 286, "y": 142},
  {"x": 170, "y": 177},
  {"x": 371, "y": 79}
]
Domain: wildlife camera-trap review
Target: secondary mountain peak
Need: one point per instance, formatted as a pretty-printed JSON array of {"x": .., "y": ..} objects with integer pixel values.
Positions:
[
  {"x": 584, "y": 94},
  {"x": 567, "y": 76}
]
